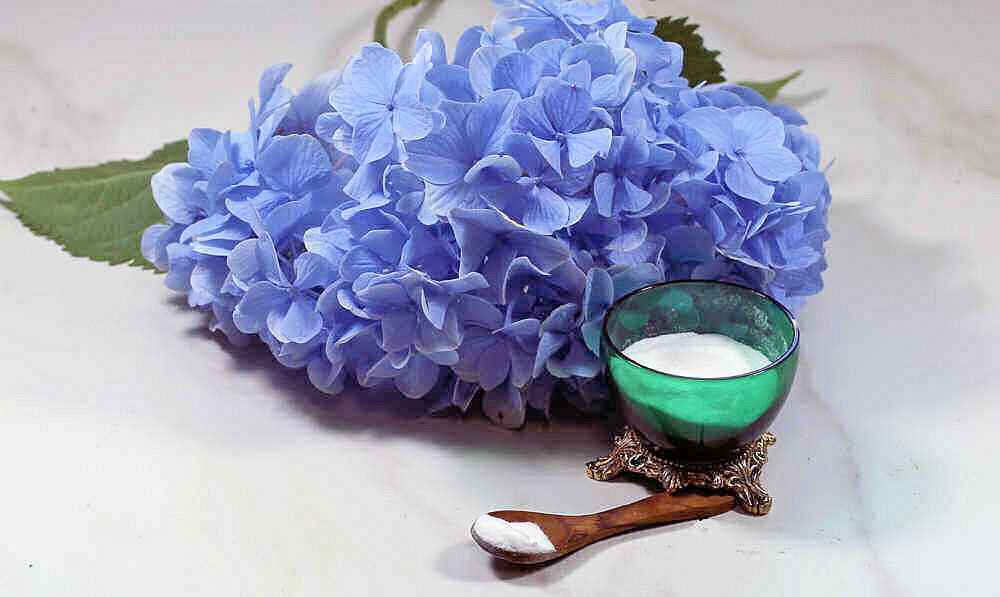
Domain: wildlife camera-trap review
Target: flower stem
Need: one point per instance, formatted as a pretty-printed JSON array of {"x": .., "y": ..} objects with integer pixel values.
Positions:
[{"x": 387, "y": 14}]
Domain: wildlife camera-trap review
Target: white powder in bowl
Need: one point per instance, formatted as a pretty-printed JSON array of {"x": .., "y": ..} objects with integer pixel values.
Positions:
[
  {"x": 521, "y": 537},
  {"x": 696, "y": 355}
]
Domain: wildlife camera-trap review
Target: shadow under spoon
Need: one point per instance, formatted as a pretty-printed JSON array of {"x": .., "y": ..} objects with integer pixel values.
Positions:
[{"x": 569, "y": 533}]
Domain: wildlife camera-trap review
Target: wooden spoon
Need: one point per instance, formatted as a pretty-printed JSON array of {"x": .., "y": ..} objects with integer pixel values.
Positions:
[{"x": 569, "y": 533}]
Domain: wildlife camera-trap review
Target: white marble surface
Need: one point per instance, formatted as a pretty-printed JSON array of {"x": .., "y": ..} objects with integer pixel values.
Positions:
[{"x": 141, "y": 456}]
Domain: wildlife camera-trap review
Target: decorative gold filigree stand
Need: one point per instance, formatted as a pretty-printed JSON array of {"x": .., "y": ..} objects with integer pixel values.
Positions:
[{"x": 739, "y": 474}]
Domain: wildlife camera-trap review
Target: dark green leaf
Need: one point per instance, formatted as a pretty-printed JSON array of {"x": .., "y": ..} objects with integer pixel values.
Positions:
[
  {"x": 770, "y": 89},
  {"x": 98, "y": 212},
  {"x": 700, "y": 63}
]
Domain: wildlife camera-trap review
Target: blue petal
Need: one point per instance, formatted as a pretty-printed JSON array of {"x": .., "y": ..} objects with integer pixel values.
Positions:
[
  {"x": 477, "y": 311},
  {"x": 577, "y": 75},
  {"x": 468, "y": 43},
  {"x": 453, "y": 81},
  {"x": 584, "y": 146},
  {"x": 546, "y": 211},
  {"x": 373, "y": 137},
  {"x": 270, "y": 80},
  {"x": 714, "y": 125},
  {"x": 371, "y": 75},
  {"x": 312, "y": 271},
  {"x": 605, "y": 184},
  {"x": 521, "y": 367},
  {"x": 481, "y": 66},
  {"x": 429, "y": 36},
  {"x": 181, "y": 260},
  {"x": 399, "y": 330},
  {"x": 444, "y": 156},
  {"x": 173, "y": 190},
  {"x": 550, "y": 150},
  {"x": 755, "y": 129},
  {"x": 155, "y": 240},
  {"x": 549, "y": 54},
  {"x": 418, "y": 377},
  {"x": 632, "y": 236},
  {"x": 299, "y": 323},
  {"x": 489, "y": 122},
  {"x": 634, "y": 199},
  {"x": 411, "y": 120},
  {"x": 360, "y": 260},
  {"x": 505, "y": 406},
  {"x": 740, "y": 178},
  {"x": 635, "y": 277},
  {"x": 517, "y": 71},
  {"x": 599, "y": 293},
  {"x": 442, "y": 199},
  {"x": 202, "y": 145},
  {"x": 530, "y": 117},
  {"x": 567, "y": 106},
  {"x": 774, "y": 163},
  {"x": 493, "y": 365},
  {"x": 252, "y": 311}
]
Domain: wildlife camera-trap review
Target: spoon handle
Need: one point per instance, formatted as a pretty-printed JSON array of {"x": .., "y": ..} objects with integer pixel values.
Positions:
[{"x": 661, "y": 508}]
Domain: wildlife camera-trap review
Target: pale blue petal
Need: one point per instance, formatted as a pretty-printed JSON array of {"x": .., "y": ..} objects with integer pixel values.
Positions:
[
  {"x": 373, "y": 137},
  {"x": 372, "y": 73},
  {"x": 545, "y": 211},
  {"x": 252, "y": 311},
  {"x": 481, "y": 66},
  {"x": 173, "y": 190},
  {"x": 584, "y": 146},
  {"x": 714, "y": 125},
  {"x": 517, "y": 71},
  {"x": 550, "y": 150},
  {"x": 740, "y": 178},
  {"x": 412, "y": 121},
  {"x": 312, "y": 271},
  {"x": 549, "y": 54},
  {"x": 353, "y": 107},
  {"x": 530, "y": 117},
  {"x": 299, "y": 323},
  {"x": 453, "y": 81},
  {"x": 567, "y": 106},
  {"x": 774, "y": 163},
  {"x": 468, "y": 43},
  {"x": 429, "y": 36},
  {"x": 604, "y": 193},
  {"x": 757, "y": 128},
  {"x": 632, "y": 236}
]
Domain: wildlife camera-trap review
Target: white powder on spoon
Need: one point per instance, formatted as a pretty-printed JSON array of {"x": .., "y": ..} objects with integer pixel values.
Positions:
[
  {"x": 696, "y": 355},
  {"x": 521, "y": 537}
]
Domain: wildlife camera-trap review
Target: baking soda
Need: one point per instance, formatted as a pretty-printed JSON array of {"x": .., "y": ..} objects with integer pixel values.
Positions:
[
  {"x": 696, "y": 355},
  {"x": 521, "y": 537}
]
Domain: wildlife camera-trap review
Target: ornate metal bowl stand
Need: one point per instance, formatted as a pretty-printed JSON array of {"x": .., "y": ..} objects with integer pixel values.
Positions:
[{"x": 738, "y": 474}]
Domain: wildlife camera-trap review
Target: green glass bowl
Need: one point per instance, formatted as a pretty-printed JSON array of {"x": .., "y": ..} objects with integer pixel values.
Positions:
[{"x": 700, "y": 419}]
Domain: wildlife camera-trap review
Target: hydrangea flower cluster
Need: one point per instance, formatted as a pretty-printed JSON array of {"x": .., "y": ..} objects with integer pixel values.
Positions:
[{"x": 450, "y": 228}]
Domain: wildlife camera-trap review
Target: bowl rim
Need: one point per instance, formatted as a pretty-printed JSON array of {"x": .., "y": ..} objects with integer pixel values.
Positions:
[{"x": 606, "y": 337}]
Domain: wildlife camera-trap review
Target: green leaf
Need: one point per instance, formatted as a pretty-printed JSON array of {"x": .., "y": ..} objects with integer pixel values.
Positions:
[
  {"x": 770, "y": 89},
  {"x": 387, "y": 14},
  {"x": 700, "y": 63},
  {"x": 98, "y": 212}
]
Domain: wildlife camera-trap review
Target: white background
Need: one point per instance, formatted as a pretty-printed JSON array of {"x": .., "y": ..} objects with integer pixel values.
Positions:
[{"x": 139, "y": 455}]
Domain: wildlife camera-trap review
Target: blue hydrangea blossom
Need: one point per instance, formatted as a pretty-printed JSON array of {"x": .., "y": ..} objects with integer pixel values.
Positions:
[{"x": 454, "y": 228}]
